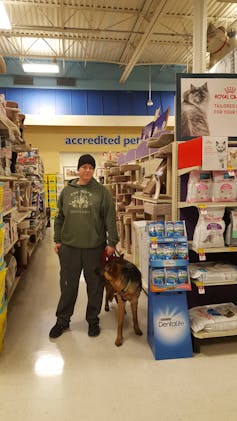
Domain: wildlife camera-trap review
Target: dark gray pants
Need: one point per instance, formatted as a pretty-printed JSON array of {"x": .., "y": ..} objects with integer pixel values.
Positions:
[{"x": 72, "y": 261}]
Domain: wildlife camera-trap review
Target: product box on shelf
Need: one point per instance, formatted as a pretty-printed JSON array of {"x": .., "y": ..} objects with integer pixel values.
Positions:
[
  {"x": 53, "y": 211},
  {"x": 52, "y": 179},
  {"x": 2, "y": 234},
  {"x": 52, "y": 196},
  {"x": 168, "y": 256},
  {"x": 3, "y": 320},
  {"x": 2, "y": 280}
]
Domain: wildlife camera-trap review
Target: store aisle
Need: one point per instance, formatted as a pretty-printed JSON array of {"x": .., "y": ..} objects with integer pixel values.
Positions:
[{"x": 80, "y": 378}]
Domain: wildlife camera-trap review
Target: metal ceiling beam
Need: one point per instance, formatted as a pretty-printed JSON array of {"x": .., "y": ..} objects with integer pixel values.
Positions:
[
  {"x": 47, "y": 29},
  {"x": 77, "y": 33},
  {"x": 143, "y": 41},
  {"x": 136, "y": 26},
  {"x": 90, "y": 59},
  {"x": 76, "y": 6},
  {"x": 61, "y": 57}
]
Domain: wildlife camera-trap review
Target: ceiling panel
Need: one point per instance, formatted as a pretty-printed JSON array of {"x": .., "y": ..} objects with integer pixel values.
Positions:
[{"x": 127, "y": 33}]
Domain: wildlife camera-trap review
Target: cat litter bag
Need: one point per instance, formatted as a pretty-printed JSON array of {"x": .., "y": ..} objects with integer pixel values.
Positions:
[
  {"x": 199, "y": 187},
  {"x": 209, "y": 232},
  {"x": 224, "y": 191},
  {"x": 224, "y": 187}
]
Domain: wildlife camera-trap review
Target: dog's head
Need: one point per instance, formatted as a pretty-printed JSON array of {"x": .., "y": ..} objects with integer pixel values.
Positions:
[{"x": 113, "y": 267}]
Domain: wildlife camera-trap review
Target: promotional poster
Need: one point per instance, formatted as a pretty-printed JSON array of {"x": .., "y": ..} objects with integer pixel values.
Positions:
[{"x": 206, "y": 105}]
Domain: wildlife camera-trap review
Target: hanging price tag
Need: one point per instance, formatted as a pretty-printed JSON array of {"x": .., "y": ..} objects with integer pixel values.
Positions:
[
  {"x": 201, "y": 290},
  {"x": 202, "y": 209},
  {"x": 200, "y": 285},
  {"x": 202, "y": 255},
  {"x": 231, "y": 171}
]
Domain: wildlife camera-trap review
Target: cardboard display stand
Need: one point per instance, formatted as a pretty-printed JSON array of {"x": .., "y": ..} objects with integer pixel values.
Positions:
[{"x": 168, "y": 325}]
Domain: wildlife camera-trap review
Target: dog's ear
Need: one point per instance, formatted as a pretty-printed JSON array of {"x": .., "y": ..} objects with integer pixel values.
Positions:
[{"x": 121, "y": 257}]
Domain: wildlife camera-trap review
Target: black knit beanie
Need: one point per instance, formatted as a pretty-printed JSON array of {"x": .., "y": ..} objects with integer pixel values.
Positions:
[{"x": 86, "y": 159}]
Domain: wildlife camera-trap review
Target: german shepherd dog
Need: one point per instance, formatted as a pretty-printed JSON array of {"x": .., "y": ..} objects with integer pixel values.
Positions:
[{"x": 123, "y": 281}]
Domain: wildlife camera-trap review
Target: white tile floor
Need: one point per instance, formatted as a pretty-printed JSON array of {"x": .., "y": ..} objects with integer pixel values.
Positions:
[{"x": 80, "y": 378}]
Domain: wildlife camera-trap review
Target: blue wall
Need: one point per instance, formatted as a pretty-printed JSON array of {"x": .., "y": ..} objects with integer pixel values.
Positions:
[{"x": 90, "y": 102}]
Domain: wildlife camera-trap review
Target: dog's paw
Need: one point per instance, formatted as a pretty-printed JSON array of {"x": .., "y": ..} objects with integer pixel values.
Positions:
[
  {"x": 119, "y": 341},
  {"x": 138, "y": 331}
]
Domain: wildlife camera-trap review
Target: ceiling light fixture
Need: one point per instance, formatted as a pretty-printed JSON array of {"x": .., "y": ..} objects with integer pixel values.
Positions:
[
  {"x": 40, "y": 67},
  {"x": 149, "y": 102},
  {"x": 4, "y": 19}
]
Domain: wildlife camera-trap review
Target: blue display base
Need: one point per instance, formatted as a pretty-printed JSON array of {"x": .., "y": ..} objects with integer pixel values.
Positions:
[{"x": 168, "y": 327}]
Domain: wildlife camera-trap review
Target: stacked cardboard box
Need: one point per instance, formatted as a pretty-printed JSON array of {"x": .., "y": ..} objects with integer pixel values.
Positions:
[{"x": 50, "y": 183}]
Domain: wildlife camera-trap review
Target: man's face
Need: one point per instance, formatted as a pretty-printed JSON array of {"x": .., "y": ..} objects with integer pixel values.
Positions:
[{"x": 86, "y": 173}]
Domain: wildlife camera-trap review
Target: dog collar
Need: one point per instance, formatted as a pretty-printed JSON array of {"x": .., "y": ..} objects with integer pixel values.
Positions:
[{"x": 127, "y": 286}]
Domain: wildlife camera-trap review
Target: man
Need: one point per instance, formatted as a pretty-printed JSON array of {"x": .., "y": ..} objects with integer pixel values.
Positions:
[{"x": 84, "y": 228}]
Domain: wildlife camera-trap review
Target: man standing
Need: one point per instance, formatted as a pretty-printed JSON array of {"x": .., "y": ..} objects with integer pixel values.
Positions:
[{"x": 84, "y": 228}]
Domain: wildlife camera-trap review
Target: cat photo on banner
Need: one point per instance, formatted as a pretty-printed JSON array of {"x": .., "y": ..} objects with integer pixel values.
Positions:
[
  {"x": 206, "y": 106},
  {"x": 214, "y": 152},
  {"x": 194, "y": 111}
]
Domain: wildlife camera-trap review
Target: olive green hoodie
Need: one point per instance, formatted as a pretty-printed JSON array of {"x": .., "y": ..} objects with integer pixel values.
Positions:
[{"x": 86, "y": 216}]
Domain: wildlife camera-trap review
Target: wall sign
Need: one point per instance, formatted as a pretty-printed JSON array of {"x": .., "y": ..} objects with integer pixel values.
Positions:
[
  {"x": 102, "y": 140},
  {"x": 206, "y": 105}
]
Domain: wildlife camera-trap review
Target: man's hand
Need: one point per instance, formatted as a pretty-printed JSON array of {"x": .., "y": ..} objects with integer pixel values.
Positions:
[
  {"x": 57, "y": 247},
  {"x": 109, "y": 251}
]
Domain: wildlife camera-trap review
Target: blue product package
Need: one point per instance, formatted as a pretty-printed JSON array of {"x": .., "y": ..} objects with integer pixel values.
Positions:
[
  {"x": 181, "y": 251},
  {"x": 153, "y": 251},
  {"x": 160, "y": 251},
  {"x": 179, "y": 229},
  {"x": 169, "y": 251},
  {"x": 169, "y": 229},
  {"x": 182, "y": 276},
  {"x": 158, "y": 277},
  {"x": 152, "y": 229},
  {"x": 160, "y": 228},
  {"x": 171, "y": 276}
]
